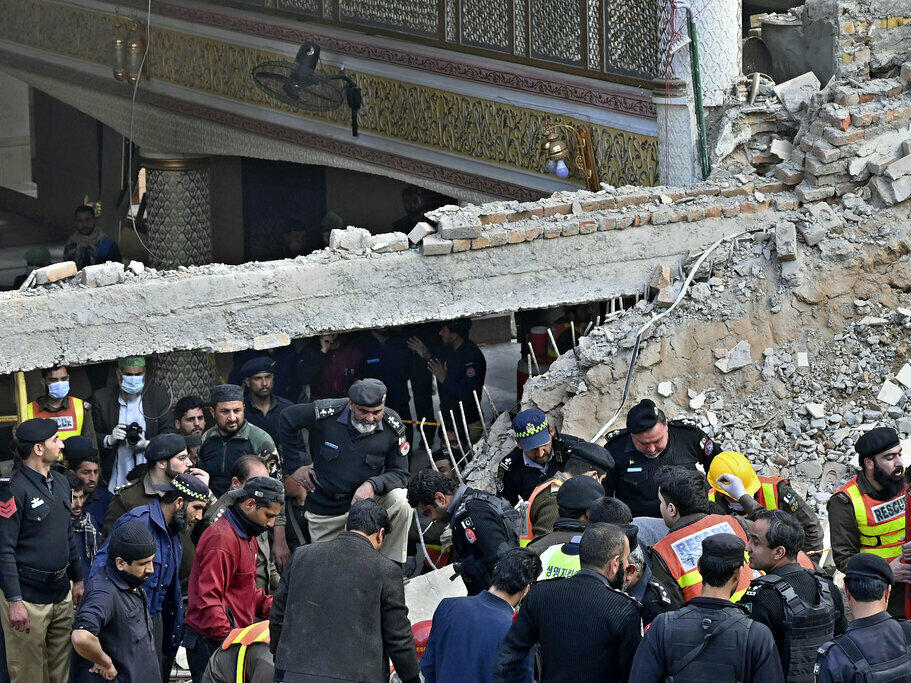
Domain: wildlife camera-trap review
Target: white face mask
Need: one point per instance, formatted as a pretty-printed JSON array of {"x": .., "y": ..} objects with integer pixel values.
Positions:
[
  {"x": 132, "y": 384},
  {"x": 58, "y": 389}
]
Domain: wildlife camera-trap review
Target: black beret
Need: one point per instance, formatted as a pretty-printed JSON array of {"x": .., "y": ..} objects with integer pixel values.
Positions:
[
  {"x": 593, "y": 454},
  {"x": 36, "y": 430},
  {"x": 869, "y": 566},
  {"x": 264, "y": 489},
  {"x": 632, "y": 534},
  {"x": 76, "y": 449},
  {"x": 131, "y": 541},
  {"x": 642, "y": 416},
  {"x": 164, "y": 447},
  {"x": 875, "y": 441},
  {"x": 193, "y": 440},
  {"x": 579, "y": 493},
  {"x": 225, "y": 393},
  {"x": 254, "y": 366},
  {"x": 724, "y": 547},
  {"x": 368, "y": 393}
]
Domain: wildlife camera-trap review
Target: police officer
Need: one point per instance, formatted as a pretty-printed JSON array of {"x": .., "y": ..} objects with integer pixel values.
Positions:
[
  {"x": 736, "y": 489},
  {"x": 357, "y": 450},
  {"x": 649, "y": 442},
  {"x": 38, "y": 558},
  {"x": 483, "y": 526},
  {"x": 875, "y": 647},
  {"x": 539, "y": 454},
  {"x": 710, "y": 638},
  {"x": 262, "y": 406},
  {"x": 574, "y": 498},
  {"x": 640, "y": 584},
  {"x": 867, "y": 514},
  {"x": 802, "y": 608},
  {"x": 112, "y": 632}
]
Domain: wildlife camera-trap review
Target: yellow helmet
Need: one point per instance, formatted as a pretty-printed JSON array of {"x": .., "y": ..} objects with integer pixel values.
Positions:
[{"x": 732, "y": 462}]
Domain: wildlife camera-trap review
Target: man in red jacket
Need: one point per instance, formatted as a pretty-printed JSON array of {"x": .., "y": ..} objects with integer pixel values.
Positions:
[{"x": 223, "y": 594}]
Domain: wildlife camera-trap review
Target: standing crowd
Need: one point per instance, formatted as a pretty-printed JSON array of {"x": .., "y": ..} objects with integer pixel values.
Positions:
[{"x": 275, "y": 544}]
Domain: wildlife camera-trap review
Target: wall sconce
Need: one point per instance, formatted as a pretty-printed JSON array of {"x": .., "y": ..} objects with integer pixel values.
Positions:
[
  {"x": 129, "y": 48},
  {"x": 556, "y": 151}
]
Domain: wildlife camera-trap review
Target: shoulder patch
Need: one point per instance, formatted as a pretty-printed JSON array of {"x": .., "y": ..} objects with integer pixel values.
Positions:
[
  {"x": 8, "y": 508},
  {"x": 614, "y": 436},
  {"x": 393, "y": 421},
  {"x": 789, "y": 501},
  {"x": 4, "y": 481},
  {"x": 662, "y": 592}
]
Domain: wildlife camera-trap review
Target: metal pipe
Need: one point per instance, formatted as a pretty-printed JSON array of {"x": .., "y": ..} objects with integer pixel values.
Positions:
[
  {"x": 465, "y": 424},
  {"x": 697, "y": 94},
  {"x": 493, "y": 405},
  {"x": 531, "y": 355},
  {"x": 572, "y": 331},
  {"x": 452, "y": 457},
  {"x": 477, "y": 402},
  {"x": 423, "y": 545},
  {"x": 455, "y": 428},
  {"x": 550, "y": 335},
  {"x": 426, "y": 445}
]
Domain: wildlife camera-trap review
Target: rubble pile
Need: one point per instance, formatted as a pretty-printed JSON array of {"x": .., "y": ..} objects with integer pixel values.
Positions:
[{"x": 790, "y": 342}]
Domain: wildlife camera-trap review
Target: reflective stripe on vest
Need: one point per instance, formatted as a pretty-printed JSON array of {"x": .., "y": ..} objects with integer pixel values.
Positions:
[
  {"x": 245, "y": 637},
  {"x": 69, "y": 420},
  {"x": 555, "y": 562},
  {"x": 682, "y": 549},
  {"x": 881, "y": 523},
  {"x": 529, "y": 537}
]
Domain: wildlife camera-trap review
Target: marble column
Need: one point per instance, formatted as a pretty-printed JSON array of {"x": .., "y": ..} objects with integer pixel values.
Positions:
[{"x": 678, "y": 141}]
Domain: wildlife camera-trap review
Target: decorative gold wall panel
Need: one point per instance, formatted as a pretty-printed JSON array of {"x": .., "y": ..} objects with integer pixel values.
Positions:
[{"x": 482, "y": 129}]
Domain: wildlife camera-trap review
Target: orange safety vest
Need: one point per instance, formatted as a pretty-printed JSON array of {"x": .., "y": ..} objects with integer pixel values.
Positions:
[
  {"x": 69, "y": 420},
  {"x": 245, "y": 637},
  {"x": 529, "y": 537},
  {"x": 766, "y": 496},
  {"x": 682, "y": 549},
  {"x": 881, "y": 523}
]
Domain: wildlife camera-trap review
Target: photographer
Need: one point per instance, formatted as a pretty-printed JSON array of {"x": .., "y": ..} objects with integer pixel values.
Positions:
[{"x": 126, "y": 416}]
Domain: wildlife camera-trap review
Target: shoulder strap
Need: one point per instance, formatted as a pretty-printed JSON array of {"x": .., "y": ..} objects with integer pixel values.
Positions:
[
  {"x": 849, "y": 647},
  {"x": 785, "y": 590},
  {"x": 696, "y": 651}
]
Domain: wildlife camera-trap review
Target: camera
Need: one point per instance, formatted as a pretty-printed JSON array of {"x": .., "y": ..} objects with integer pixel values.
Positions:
[{"x": 134, "y": 433}]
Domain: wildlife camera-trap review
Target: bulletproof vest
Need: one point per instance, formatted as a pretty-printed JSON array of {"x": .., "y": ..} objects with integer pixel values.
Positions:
[
  {"x": 705, "y": 644},
  {"x": 510, "y": 517},
  {"x": 806, "y": 626},
  {"x": 896, "y": 670}
]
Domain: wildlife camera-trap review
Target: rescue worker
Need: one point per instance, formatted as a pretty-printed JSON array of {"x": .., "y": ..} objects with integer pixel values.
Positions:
[
  {"x": 38, "y": 559},
  {"x": 867, "y": 514},
  {"x": 684, "y": 503},
  {"x": 559, "y": 550},
  {"x": 709, "y": 639},
  {"x": 648, "y": 443},
  {"x": 539, "y": 454},
  {"x": 244, "y": 657},
  {"x": 875, "y": 647},
  {"x": 357, "y": 450},
  {"x": 72, "y": 415},
  {"x": 745, "y": 493},
  {"x": 112, "y": 631},
  {"x": 483, "y": 526},
  {"x": 802, "y": 608}
]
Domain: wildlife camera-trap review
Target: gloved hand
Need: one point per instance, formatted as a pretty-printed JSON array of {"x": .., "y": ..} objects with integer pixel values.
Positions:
[
  {"x": 731, "y": 485},
  {"x": 141, "y": 445},
  {"x": 118, "y": 434}
]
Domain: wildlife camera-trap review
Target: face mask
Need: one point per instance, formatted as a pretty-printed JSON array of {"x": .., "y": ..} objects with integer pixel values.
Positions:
[
  {"x": 58, "y": 389},
  {"x": 132, "y": 384}
]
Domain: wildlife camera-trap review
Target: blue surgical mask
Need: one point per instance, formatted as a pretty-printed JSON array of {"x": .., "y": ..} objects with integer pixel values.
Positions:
[
  {"x": 58, "y": 389},
  {"x": 132, "y": 384}
]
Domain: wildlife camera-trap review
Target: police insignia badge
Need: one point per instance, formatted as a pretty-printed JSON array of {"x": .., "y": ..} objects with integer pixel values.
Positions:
[
  {"x": 470, "y": 371},
  {"x": 405, "y": 448},
  {"x": 790, "y": 501},
  {"x": 469, "y": 536},
  {"x": 709, "y": 444}
]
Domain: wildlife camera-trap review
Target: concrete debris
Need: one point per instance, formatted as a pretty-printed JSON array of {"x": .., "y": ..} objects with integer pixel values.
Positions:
[
  {"x": 665, "y": 389},
  {"x": 797, "y": 91},
  {"x": 434, "y": 245},
  {"x": 661, "y": 278},
  {"x": 697, "y": 402},
  {"x": 419, "y": 232},
  {"x": 738, "y": 357},
  {"x": 103, "y": 274},
  {"x": 668, "y": 295},
  {"x": 803, "y": 360},
  {"x": 890, "y": 394},
  {"x": 349, "y": 239},
  {"x": 136, "y": 267},
  {"x": 55, "y": 272},
  {"x": 904, "y": 375},
  {"x": 786, "y": 241},
  {"x": 388, "y": 241},
  {"x": 815, "y": 410}
]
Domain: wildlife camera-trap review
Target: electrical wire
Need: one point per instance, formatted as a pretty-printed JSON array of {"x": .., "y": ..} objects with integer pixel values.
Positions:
[{"x": 142, "y": 62}]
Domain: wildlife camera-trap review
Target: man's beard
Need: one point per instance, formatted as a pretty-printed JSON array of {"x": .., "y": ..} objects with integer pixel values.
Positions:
[
  {"x": 363, "y": 427},
  {"x": 888, "y": 480},
  {"x": 617, "y": 581},
  {"x": 170, "y": 473},
  {"x": 179, "y": 524},
  {"x": 231, "y": 430}
]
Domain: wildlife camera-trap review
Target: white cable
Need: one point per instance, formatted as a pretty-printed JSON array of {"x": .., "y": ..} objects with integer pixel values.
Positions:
[
  {"x": 130, "y": 137},
  {"x": 649, "y": 323}
]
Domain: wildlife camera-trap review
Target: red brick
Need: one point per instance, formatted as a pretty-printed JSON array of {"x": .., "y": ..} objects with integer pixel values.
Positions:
[
  {"x": 694, "y": 215},
  {"x": 731, "y": 211},
  {"x": 713, "y": 211},
  {"x": 493, "y": 218},
  {"x": 703, "y": 192},
  {"x": 557, "y": 209},
  {"x": 642, "y": 219},
  {"x": 738, "y": 191},
  {"x": 631, "y": 200}
]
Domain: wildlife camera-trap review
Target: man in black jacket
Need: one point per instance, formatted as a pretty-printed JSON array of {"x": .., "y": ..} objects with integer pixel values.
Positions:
[
  {"x": 340, "y": 609},
  {"x": 710, "y": 638},
  {"x": 586, "y": 628}
]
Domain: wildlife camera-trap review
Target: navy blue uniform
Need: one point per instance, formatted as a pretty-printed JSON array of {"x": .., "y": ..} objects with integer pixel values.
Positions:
[
  {"x": 881, "y": 640},
  {"x": 268, "y": 422},
  {"x": 117, "y": 616},
  {"x": 633, "y": 478},
  {"x": 38, "y": 552},
  {"x": 466, "y": 370},
  {"x": 343, "y": 458}
]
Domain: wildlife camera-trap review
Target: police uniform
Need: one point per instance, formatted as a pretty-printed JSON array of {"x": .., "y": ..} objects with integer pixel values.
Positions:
[
  {"x": 709, "y": 639},
  {"x": 268, "y": 421},
  {"x": 466, "y": 370},
  {"x": 633, "y": 478},
  {"x": 392, "y": 363},
  {"x": 864, "y": 520},
  {"x": 343, "y": 459},
  {"x": 803, "y": 609},
  {"x": 874, "y": 648},
  {"x": 38, "y": 559},
  {"x": 484, "y": 528}
]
